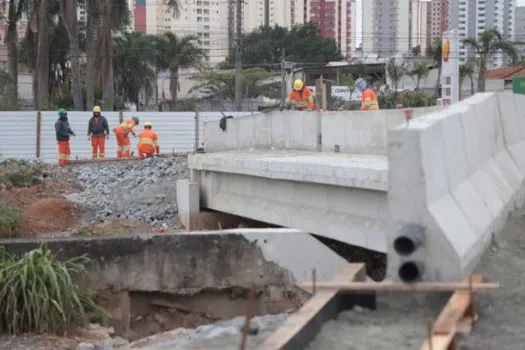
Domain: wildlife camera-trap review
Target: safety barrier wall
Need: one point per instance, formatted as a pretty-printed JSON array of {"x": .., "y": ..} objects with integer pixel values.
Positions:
[
  {"x": 454, "y": 176},
  {"x": 353, "y": 132},
  {"x": 30, "y": 135}
]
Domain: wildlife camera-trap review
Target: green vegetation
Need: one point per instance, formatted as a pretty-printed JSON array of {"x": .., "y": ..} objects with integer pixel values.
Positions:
[
  {"x": 20, "y": 173},
  {"x": 39, "y": 293},
  {"x": 389, "y": 100},
  {"x": 10, "y": 220}
]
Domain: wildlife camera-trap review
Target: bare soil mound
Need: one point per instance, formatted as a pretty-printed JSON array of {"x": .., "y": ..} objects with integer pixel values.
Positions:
[{"x": 49, "y": 215}]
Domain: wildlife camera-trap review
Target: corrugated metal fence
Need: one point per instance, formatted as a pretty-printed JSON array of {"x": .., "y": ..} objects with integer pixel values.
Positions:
[{"x": 28, "y": 135}]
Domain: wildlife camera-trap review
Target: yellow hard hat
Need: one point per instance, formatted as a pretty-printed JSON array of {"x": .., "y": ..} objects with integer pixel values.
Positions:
[
  {"x": 96, "y": 109},
  {"x": 298, "y": 84},
  {"x": 148, "y": 124}
]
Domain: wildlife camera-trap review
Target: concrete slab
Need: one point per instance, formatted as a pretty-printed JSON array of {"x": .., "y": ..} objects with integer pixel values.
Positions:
[{"x": 339, "y": 169}]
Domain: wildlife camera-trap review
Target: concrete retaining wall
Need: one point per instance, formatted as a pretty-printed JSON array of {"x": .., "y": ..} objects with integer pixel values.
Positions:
[
  {"x": 354, "y": 132},
  {"x": 454, "y": 177},
  {"x": 191, "y": 263}
]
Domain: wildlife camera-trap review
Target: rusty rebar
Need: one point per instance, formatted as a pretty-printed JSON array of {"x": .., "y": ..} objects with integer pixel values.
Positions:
[
  {"x": 314, "y": 281},
  {"x": 250, "y": 311}
]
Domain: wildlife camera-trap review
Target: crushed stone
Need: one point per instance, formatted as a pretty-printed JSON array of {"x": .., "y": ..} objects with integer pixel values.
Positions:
[{"x": 144, "y": 190}]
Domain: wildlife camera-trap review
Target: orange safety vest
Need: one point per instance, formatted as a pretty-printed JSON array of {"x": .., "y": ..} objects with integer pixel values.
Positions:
[
  {"x": 369, "y": 100},
  {"x": 126, "y": 127},
  {"x": 149, "y": 137},
  {"x": 304, "y": 98}
]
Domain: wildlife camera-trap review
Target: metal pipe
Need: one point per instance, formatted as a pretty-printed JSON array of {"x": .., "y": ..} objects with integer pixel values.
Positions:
[
  {"x": 410, "y": 240},
  {"x": 411, "y": 271}
]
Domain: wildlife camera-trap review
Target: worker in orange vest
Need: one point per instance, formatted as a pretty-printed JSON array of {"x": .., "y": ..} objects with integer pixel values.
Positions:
[
  {"x": 122, "y": 134},
  {"x": 149, "y": 142},
  {"x": 369, "y": 99},
  {"x": 301, "y": 98},
  {"x": 63, "y": 132}
]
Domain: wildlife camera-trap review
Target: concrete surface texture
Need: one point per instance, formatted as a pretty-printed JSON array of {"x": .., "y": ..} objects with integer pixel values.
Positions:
[
  {"x": 190, "y": 263},
  {"x": 353, "y": 131},
  {"x": 400, "y": 321},
  {"x": 352, "y": 215},
  {"x": 456, "y": 175}
]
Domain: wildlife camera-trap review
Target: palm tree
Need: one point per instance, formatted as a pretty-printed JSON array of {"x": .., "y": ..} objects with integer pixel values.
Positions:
[
  {"x": 133, "y": 65},
  {"x": 488, "y": 43},
  {"x": 396, "y": 72},
  {"x": 421, "y": 70},
  {"x": 434, "y": 52},
  {"x": 467, "y": 70},
  {"x": 68, "y": 15},
  {"x": 179, "y": 53}
]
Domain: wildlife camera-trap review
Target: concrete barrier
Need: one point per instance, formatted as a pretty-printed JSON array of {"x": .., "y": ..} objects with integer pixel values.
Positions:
[
  {"x": 353, "y": 131},
  {"x": 454, "y": 177}
]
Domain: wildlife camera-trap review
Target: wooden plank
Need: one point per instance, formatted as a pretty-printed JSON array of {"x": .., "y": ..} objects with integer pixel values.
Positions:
[
  {"x": 403, "y": 287},
  {"x": 455, "y": 309},
  {"x": 439, "y": 342},
  {"x": 306, "y": 314}
]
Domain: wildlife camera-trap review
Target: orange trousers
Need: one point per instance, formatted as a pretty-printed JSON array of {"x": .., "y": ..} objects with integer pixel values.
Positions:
[
  {"x": 98, "y": 146},
  {"x": 123, "y": 145},
  {"x": 145, "y": 150},
  {"x": 64, "y": 152}
]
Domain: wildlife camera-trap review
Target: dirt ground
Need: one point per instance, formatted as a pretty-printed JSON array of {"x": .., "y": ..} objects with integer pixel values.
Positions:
[{"x": 400, "y": 321}]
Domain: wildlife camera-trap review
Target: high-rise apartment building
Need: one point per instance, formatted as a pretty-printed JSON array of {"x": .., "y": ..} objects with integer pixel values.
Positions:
[
  {"x": 336, "y": 19},
  {"x": 519, "y": 27},
  {"x": 471, "y": 17},
  {"x": 386, "y": 27},
  {"x": 428, "y": 19}
]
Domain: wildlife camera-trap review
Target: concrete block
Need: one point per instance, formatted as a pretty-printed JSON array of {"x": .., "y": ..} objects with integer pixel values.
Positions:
[
  {"x": 188, "y": 203},
  {"x": 512, "y": 123}
]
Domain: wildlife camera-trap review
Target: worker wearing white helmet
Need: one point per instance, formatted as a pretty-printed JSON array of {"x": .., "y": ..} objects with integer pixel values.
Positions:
[{"x": 149, "y": 142}]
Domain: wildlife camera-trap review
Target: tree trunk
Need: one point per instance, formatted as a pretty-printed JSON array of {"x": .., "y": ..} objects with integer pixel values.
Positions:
[
  {"x": 12, "y": 53},
  {"x": 438, "y": 82},
  {"x": 482, "y": 73},
  {"x": 108, "y": 85},
  {"x": 471, "y": 86},
  {"x": 157, "y": 89},
  {"x": 92, "y": 30},
  {"x": 174, "y": 85},
  {"x": 42, "y": 59},
  {"x": 68, "y": 13}
]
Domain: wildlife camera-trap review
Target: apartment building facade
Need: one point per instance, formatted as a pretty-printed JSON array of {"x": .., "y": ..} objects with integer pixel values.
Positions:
[
  {"x": 519, "y": 28},
  {"x": 429, "y": 19},
  {"x": 336, "y": 19},
  {"x": 471, "y": 17}
]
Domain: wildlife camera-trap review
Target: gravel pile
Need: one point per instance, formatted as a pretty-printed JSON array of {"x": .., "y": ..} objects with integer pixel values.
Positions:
[
  {"x": 144, "y": 190},
  {"x": 223, "y": 335}
]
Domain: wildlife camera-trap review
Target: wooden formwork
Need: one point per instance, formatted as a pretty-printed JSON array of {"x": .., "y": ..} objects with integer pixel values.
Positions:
[{"x": 349, "y": 288}]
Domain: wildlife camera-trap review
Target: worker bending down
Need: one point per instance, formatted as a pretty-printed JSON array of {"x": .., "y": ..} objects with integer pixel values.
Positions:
[
  {"x": 122, "y": 134},
  {"x": 369, "y": 99},
  {"x": 300, "y": 98},
  {"x": 63, "y": 132},
  {"x": 149, "y": 142}
]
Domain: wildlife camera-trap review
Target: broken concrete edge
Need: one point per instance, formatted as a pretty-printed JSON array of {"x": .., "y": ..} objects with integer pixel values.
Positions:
[
  {"x": 141, "y": 343},
  {"x": 302, "y": 327}
]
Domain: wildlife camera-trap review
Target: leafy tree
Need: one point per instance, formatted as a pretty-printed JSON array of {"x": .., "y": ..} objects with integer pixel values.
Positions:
[
  {"x": 488, "y": 43},
  {"x": 416, "y": 51},
  {"x": 434, "y": 52},
  {"x": 419, "y": 71},
  {"x": 133, "y": 65},
  {"x": 222, "y": 83},
  {"x": 177, "y": 53},
  {"x": 348, "y": 80},
  {"x": 303, "y": 44},
  {"x": 396, "y": 72},
  {"x": 68, "y": 16}
]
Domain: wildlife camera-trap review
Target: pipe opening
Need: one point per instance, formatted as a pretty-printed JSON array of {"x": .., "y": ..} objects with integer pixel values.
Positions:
[
  {"x": 410, "y": 272},
  {"x": 405, "y": 245}
]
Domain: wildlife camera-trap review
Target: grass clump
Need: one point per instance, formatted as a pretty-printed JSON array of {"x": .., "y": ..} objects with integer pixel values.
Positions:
[
  {"x": 20, "y": 173},
  {"x": 39, "y": 293},
  {"x": 10, "y": 220}
]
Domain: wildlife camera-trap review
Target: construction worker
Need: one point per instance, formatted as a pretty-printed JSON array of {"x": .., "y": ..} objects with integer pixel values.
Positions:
[
  {"x": 300, "y": 98},
  {"x": 98, "y": 131},
  {"x": 149, "y": 142},
  {"x": 63, "y": 132},
  {"x": 122, "y": 133},
  {"x": 369, "y": 99}
]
